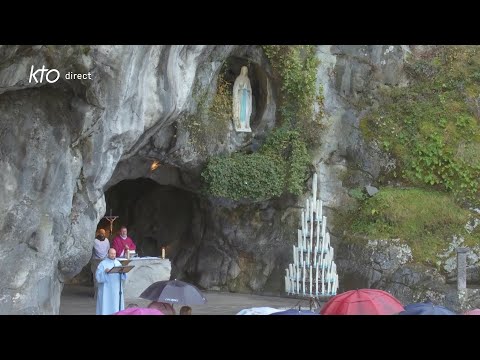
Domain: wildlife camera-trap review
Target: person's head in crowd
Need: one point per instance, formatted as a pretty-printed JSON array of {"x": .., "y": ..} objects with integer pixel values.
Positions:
[
  {"x": 165, "y": 308},
  {"x": 101, "y": 234},
  {"x": 185, "y": 310}
]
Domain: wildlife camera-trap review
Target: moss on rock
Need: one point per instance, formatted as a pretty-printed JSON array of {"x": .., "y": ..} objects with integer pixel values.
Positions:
[
  {"x": 425, "y": 220},
  {"x": 432, "y": 126}
]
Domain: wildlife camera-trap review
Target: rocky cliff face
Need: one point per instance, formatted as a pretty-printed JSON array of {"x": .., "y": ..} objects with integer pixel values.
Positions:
[{"x": 64, "y": 144}]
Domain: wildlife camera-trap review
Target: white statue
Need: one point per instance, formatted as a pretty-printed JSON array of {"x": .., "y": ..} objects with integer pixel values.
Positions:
[{"x": 242, "y": 101}]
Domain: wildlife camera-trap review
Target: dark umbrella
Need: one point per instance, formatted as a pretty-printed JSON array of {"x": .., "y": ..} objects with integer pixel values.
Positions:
[
  {"x": 426, "y": 309},
  {"x": 174, "y": 292},
  {"x": 294, "y": 312}
]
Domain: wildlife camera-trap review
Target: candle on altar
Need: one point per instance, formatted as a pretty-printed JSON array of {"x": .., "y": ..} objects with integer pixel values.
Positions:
[
  {"x": 316, "y": 279},
  {"x": 299, "y": 235},
  {"x": 314, "y": 188},
  {"x": 163, "y": 253},
  {"x": 287, "y": 289},
  {"x": 290, "y": 266}
]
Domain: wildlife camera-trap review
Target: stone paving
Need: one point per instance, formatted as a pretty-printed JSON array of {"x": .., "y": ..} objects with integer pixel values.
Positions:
[{"x": 78, "y": 300}]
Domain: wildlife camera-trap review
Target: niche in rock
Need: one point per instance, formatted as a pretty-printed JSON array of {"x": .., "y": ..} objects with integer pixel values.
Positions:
[{"x": 258, "y": 81}]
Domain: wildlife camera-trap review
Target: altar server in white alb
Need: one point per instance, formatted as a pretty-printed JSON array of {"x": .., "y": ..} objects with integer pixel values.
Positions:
[
  {"x": 99, "y": 252},
  {"x": 109, "y": 285}
]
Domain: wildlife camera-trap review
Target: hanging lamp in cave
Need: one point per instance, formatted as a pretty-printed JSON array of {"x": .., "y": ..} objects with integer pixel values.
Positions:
[{"x": 155, "y": 165}]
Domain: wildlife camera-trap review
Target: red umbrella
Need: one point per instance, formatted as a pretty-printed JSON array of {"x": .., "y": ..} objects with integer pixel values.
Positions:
[
  {"x": 472, "y": 312},
  {"x": 362, "y": 302},
  {"x": 139, "y": 311}
]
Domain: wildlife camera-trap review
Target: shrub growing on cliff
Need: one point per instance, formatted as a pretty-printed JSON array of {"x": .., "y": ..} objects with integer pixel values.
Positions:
[
  {"x": 296, "y": 67},
  {"x": 280, "y": 166}
]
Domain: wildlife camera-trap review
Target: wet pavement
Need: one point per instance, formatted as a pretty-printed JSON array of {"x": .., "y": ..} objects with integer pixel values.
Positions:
[{"x": 78, "y": 300}]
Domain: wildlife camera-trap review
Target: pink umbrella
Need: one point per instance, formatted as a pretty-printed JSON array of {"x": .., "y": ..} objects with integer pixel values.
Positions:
[
  {"x": 139, "y": 311},
  {"x": 472, "y": 312}
]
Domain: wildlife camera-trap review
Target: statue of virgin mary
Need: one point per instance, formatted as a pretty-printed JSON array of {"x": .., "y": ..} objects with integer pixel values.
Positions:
[{"x": 242, "y": 101}]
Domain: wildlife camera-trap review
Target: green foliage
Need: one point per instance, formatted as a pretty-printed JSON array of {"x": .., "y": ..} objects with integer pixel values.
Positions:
[
  {"x": 357, "y": 193},
  {"x": 210, "y": 123},
  {"x": 280, "y": 166},
  {"x": 244, "y": 176},
  {"x": 425, "y": 220},
  {"x": 296, "y": 67},
  {"x": 221, "y": 108},
  {"x": 287, "y": 147},
  {"x": 431, "y": 126}
]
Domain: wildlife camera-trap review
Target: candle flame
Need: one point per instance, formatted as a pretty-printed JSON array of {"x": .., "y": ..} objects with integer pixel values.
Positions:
[{"x": 155, "y": 165}]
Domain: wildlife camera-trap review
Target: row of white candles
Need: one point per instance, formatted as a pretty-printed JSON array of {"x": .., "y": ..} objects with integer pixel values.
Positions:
[
  {"x": 313, "y": 254},
  {"x": 307, "y": 280},
  {"x": 297, "y": 273},
  {"x": 312, "y": 251}
]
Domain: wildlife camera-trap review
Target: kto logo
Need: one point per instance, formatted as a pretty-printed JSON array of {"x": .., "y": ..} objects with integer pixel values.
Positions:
[{"x": 48, "y": 75}]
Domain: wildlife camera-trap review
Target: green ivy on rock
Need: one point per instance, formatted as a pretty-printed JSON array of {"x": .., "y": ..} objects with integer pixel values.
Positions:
[{"x": 280, "y": 166}]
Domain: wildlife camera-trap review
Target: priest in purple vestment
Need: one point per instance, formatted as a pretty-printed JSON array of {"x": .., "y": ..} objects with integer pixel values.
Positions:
[{"x": 122, "y": 242}]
